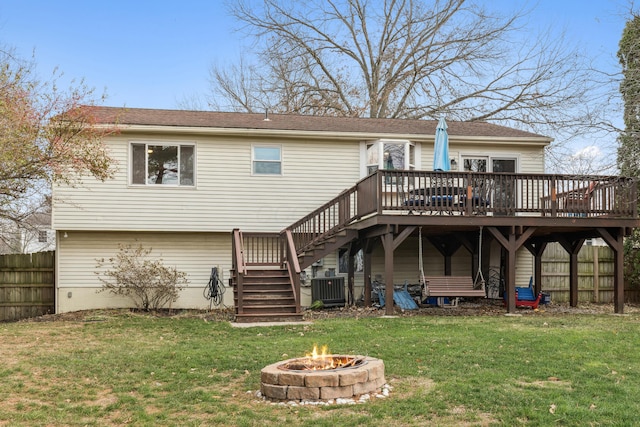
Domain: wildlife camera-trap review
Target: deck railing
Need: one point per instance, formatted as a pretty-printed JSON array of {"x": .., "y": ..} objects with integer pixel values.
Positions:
[
  {"x": 470, "y": 193},
  {"x": 331, "y": 216}
]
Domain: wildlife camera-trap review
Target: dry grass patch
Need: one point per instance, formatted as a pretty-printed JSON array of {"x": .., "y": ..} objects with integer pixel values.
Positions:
[
  {"x": 551, "y": 382},
  {"x": 410, "y": 386}
]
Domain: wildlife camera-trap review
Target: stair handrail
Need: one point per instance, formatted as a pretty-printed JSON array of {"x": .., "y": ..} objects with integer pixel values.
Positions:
[
  {"x": 334, "y": 215},
  {"x": 293, "y": 267}
]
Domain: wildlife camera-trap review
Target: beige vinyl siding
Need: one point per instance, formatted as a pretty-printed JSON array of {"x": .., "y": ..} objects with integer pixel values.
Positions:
[
  {"x": 530, "y": 158},
  {"x": 407, "y": 266},
  {"x": 524, "y": 267},
  {"x": 193, "y": 253},
  {"x": 227, "y": 195}
]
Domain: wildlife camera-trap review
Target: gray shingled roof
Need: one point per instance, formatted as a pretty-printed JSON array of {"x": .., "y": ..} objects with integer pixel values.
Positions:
[{"x": 183, "y": 118}]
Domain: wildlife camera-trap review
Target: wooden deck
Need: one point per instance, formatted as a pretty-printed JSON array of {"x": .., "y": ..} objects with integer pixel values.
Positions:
[{"x": 516, "y": 210}]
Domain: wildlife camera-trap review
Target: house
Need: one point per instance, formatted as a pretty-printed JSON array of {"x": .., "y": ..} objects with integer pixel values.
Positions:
[
  {"x": 32, "y": 234},
  {"x": 315, "y": 188}
]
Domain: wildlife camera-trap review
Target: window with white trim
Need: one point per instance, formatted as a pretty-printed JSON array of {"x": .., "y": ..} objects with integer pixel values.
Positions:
[
  {"x": 489, "y": 164},
  {"x": 157, "y": 163},
  {"x": 388, "y": 154},
  {"x": 266, "y": 160}
]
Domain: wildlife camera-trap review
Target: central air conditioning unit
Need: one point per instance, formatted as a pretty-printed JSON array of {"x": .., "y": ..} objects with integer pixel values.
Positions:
[{"x": 329, "y": 290}]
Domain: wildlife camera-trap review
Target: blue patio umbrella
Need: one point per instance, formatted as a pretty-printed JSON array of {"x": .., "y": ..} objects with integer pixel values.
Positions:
[{"x": 441, "y": 147}]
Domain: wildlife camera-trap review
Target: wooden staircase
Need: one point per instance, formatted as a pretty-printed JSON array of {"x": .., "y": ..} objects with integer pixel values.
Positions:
[
  {"x": 268, "y": 297},
  {"x": 266, "y": 267}
]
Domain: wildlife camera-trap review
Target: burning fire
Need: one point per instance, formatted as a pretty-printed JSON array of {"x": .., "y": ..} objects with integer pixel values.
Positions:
[{"x": 321, "y": 360}]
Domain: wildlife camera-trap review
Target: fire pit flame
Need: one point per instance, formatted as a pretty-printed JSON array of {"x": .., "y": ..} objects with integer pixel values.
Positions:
[{"x": 316, "y": 361}]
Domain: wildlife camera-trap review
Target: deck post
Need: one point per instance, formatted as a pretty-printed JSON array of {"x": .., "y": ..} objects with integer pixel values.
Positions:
[
  {"x": 537, "y": 279},
  {"x": 573, "y": 279},
  {"x": 554, "y": 196},
  {"x": 387, "y": 242},
  {"x": 511, "y": 244},
  {"x": 511, "y": 272},
  {"x": 537, "y": 249},
  {"x": 615, "y": 242},
  {"x": 573, "y": 248},
  {"x": 367, "y": 249},
  {"x": 618, "y": 285},
  {"x": 240, "y": 293}
]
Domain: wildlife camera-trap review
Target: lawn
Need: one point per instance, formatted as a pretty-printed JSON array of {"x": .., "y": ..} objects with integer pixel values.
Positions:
[{"x": 115, "y": 368}]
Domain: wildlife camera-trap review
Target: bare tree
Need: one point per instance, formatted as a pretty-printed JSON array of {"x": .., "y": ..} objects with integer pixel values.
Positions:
[{"x": 403, "y": 59}]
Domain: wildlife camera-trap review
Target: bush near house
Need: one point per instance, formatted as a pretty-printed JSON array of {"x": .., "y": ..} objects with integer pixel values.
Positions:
[{"x": 150, "y": 284}]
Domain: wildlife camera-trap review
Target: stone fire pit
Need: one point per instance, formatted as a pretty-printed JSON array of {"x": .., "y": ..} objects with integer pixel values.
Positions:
[{"x": 296, "y": 379}]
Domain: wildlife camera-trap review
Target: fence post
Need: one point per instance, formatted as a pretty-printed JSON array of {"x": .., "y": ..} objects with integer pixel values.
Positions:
[{"x": 596, "y": 274}]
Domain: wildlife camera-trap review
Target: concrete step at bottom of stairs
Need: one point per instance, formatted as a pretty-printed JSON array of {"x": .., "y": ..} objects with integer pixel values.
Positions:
[{"x": 274, "y": 317}]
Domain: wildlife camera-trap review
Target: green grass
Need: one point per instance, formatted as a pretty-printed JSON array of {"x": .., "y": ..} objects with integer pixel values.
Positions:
[{"x": 570, "y": 370}]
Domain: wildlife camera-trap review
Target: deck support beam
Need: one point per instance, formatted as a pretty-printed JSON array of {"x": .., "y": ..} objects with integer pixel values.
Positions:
[
  {"x": 447, "y": 248},
  {"x": 511, "y": 243},
  {"x": 367, "y": 249},
  {"x": 614, "y": 239},
  {"x": 387, "y": 243},
  {"x": 390, "y": 245},
  {"x": 537, "y": 249},
  {"x": 573, "y": 248}
]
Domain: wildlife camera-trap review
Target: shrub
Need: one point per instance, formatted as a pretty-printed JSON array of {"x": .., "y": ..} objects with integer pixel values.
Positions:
[{"x": 147, "y": 282}]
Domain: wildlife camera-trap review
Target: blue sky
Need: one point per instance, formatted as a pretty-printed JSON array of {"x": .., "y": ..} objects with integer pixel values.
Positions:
[
  {"x": 143, "y": 53},
  {"x": 155, "y": 54}
]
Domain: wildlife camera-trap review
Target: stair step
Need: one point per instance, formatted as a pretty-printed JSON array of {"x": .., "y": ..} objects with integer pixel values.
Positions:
[
  {"x": 248, "y": 283},
  {"x": 267, "y": 296},
  {"x": 258, "y": 292},
  {"x": 265, "y": 289},
  {"x": 267, "y": 301},
  {"x": 269, "y": 310},
  {"x": 267, "y": 273}
]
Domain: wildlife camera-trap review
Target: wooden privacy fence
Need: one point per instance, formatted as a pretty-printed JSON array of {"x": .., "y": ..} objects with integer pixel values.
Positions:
[
  {"x": 595, "y": 274},
  {"x": 27, "y": 283}
]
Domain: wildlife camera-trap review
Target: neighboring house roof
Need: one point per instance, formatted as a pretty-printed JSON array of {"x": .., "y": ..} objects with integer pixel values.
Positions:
[
  {"x": 39, "y": 219},
  {"x": 232, "y": 120}
]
